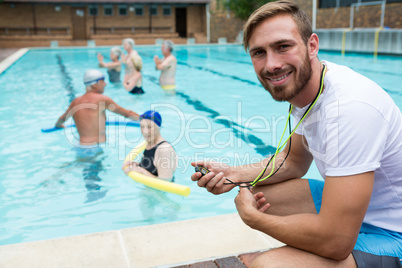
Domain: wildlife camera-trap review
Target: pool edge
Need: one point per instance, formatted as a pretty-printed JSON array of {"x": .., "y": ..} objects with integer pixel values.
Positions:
[
  {"x": 160, "y": 245},
  {"x": 10, "y": 60}
]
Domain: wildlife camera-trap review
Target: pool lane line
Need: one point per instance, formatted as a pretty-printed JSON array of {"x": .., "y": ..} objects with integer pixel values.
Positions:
[
  {"x": 67, "y": 80},
  {"x": 219, "y": 73},
  {"x": 215, "y": 58},
  {"x": 362, "y": 70},
  {"x": 259, "y": 146},
  {"x": 183, "y": 63}
]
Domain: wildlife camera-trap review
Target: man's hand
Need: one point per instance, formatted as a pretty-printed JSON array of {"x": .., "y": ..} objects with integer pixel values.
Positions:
[
  {"x": 215, "y": 179},
  {"x": 157, "y": 61},
  {"x": 248, "y": 205}
]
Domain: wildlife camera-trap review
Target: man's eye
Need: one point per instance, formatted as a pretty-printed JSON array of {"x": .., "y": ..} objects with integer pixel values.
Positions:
[{"x": 257, "y": 53}]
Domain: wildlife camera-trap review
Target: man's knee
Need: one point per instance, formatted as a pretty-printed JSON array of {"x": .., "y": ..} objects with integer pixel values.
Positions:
[{"x": 269, "y": 259}]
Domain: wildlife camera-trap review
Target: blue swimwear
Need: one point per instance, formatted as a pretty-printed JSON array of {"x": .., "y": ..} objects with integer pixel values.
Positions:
[
  {"x": 90, "y": 151},
  {"x": 375, "y": 247}
]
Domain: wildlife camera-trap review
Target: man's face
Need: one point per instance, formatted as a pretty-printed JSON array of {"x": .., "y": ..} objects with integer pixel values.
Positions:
[
  {"x": 165, "y": 49},
  {"x": 280, "y": 57},
  {"x": 100, "y": 86}
]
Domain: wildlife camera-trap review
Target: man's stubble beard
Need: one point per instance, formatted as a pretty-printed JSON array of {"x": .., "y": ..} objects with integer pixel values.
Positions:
[{"x": 279, "y": 93}]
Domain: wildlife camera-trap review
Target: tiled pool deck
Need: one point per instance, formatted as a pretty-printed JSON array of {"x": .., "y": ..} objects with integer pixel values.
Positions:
[
  {"x": 221, "y": 241},
  {"x": 208, "y": 242}
]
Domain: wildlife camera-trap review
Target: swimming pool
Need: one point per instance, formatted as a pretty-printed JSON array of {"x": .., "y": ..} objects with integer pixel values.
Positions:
[{"x": 220, "y": 112}]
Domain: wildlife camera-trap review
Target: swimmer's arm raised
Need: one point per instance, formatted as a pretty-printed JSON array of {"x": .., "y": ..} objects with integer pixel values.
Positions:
[
  {"x": 163, "y": 64},
  {"x": 111, "y": 64},
  {"x": 115, "y": 108},
  {"x": 157, "y": 60}
]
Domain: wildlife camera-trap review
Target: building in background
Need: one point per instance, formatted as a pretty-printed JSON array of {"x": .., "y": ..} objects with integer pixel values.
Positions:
[{"x": 26, "y": 23}]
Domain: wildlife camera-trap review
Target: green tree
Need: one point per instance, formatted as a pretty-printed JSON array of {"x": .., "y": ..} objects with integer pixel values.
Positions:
[{"x": 242, "y": 9}]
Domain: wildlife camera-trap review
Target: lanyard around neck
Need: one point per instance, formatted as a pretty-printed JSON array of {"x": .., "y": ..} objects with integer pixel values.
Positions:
[{"x": 280, "y": 147}]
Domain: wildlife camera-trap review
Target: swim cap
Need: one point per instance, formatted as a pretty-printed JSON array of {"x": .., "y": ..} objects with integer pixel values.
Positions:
[
  {"x": 152, "y": 115},
  {"x": 92, "y": 76}
]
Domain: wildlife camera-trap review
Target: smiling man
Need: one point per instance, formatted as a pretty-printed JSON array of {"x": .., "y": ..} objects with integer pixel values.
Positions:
[{"x": 349, "y": 126}]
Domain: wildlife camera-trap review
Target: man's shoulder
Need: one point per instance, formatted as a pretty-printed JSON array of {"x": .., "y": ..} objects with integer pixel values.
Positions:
[
  {"x": 92, "y": 97},
  {"x": 173, "y": 58}
]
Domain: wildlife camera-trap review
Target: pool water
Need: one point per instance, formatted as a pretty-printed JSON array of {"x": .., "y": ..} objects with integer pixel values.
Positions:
[{"x": 220, "y": 112}]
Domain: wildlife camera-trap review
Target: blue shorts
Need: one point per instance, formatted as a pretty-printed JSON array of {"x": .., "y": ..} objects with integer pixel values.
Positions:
[
  {"x": 85, "y": 152},
  {"x": 375, "y": 247}
]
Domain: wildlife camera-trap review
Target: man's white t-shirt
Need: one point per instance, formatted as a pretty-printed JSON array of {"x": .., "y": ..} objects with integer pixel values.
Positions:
[{"x": 355, "y": 127}]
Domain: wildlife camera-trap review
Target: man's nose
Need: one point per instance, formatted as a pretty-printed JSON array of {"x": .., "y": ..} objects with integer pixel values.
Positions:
[{"x": 273, "y": 62}]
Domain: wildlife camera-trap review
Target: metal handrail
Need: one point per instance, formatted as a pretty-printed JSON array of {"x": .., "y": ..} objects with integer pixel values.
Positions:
[{"x": 352, "y": 8}]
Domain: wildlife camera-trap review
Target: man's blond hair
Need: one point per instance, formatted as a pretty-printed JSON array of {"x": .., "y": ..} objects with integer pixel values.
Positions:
[{"x": 273, "y": 9}]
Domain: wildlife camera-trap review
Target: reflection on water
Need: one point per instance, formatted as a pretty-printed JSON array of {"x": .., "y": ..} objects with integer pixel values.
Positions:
[
  {"x": 156, "y": 205},
  {"x": 90, "y": 161}
]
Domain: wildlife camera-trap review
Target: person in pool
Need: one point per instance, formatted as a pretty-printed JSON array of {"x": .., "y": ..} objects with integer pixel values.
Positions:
[
  {"x": 159, "y": 159},
  {"x": 89, "y": 110},
  {"x": 128, "y": 45},
  {"x": 167, "y": 66},
  {"x": 134, "y": 84},
  {"x": 113, "y": 67}
]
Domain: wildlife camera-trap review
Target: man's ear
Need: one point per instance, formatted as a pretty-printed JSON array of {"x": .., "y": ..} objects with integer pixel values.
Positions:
[{"x": 313, "y": 46}]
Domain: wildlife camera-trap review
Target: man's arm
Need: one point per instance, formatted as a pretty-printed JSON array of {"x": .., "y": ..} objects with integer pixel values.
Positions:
[
  {"x": 332, "y": 233},
  {"x": 63, "y": 118},
  {"x": 115, "y": 108},
  {"x": 163, "y": 64},
  {"x": 296, "y": 166}
]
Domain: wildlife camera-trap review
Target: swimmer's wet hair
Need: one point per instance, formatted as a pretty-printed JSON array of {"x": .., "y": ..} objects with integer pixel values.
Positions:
[
  {"x": 273, "y": 9},
  {"x": 116, "y": 51},
  {"x": 169, "y": 44},
  {"x": 130, "y": 41}
]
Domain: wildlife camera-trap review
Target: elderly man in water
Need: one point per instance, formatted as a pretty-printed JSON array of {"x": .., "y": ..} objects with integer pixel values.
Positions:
[
  {"x": 167, "y": 65},
  {"x": 89, "y": 110}
]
